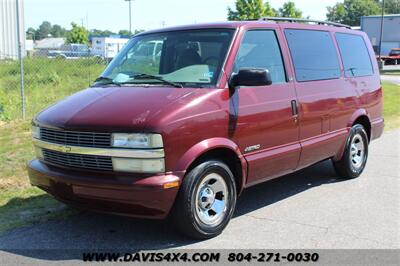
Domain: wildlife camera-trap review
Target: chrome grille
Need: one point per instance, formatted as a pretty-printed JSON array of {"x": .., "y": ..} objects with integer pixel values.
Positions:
[
  {"x": 93, "y": 162},
  {"x": 72, "y": 138}
]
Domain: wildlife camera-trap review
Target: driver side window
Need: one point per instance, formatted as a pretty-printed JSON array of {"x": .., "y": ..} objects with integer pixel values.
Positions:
[{"x": 260, "y": 49}]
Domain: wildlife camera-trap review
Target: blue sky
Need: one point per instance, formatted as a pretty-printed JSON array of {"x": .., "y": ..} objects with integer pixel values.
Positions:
[{"x": 146, "y": 14}]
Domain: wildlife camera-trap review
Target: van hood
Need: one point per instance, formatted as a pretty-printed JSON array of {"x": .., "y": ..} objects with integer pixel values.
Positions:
[{"x": 110, "y": 109}]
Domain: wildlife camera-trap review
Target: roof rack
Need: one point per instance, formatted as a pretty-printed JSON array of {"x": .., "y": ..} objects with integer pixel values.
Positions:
[{"x": 303, "y": 20}]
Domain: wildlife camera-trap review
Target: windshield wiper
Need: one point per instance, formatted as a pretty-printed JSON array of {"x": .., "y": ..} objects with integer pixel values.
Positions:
[
  {"x": 147, "y": 76},
  {"x": 106, "y": 80},
  {"x": 352, "y": 70}
]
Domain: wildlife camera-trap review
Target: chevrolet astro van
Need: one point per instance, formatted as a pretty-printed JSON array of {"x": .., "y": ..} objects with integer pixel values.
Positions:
[{"x": 216, "y": 109}]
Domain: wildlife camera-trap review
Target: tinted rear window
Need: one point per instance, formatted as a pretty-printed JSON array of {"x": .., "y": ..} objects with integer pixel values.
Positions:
[
  {"x": 313, "y": 53},
  {"x": 355, "y": 56}
]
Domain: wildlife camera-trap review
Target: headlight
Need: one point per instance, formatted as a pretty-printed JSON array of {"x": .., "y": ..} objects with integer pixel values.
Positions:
[
  {"x": 137, "y": 140},
  {"x": 35, "y": 132},
  {"x": 138, "y": 165}
]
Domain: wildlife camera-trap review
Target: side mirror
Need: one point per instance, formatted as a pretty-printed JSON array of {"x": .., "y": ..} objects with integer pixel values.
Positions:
[{"x": 250, "y": 77}]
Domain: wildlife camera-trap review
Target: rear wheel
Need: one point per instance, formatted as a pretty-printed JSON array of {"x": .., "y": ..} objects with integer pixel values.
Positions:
[
  {"x": 354, "y": 158},
  {"x": 99, "y": 59},
  {"x": 206, "y": 200},
  {"x": 61, "y": 57}
]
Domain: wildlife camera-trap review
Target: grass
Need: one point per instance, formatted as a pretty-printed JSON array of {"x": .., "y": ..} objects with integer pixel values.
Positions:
[
  {"x": 391, "y": 109},
  {"x": 21, "y": 204},
  {"x": 46, "y": 81}
]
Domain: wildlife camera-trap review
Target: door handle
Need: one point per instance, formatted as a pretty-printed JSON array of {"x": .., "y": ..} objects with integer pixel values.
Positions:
[{"x": 295, "y": 112}]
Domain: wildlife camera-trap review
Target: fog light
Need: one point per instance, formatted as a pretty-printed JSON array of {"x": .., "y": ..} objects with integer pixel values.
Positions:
[{"x": 138, "y": 165}]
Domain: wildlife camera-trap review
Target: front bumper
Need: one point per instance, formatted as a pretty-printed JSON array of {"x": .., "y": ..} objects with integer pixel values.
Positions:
[{"x": 123, "y": 195}]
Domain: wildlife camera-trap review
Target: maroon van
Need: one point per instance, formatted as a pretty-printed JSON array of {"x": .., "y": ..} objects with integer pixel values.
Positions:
[{"x": 185, "y": 118}]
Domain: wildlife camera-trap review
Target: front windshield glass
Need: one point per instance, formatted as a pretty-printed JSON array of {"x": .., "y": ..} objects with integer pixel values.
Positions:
[{"x": 188, "y": 58}]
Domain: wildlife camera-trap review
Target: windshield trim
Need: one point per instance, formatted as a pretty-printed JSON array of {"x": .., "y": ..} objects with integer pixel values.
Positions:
[{"x": 180, "y": 29}]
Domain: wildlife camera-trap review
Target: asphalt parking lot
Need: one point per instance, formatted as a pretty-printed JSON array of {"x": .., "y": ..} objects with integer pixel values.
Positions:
[
  {"x": 391, "y": 78},
  {"x": 311, "y": 209}
]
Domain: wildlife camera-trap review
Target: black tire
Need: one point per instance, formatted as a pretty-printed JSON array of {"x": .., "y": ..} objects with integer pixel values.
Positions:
[
  {"x": 61, "y": 57},
  {"x": 99, "y": 59},
  {"x": 185, "y": 213},
  {"x": 347, "y": 167}
]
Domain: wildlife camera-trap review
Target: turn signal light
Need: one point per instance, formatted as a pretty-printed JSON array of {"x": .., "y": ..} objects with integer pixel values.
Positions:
[{"x": 171, "y": 184}]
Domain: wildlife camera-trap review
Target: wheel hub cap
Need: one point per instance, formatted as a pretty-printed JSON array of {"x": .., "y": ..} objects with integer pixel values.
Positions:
[
  {"x": 211, "y": 200},
  {"x": 207, "y": 198},
  {"x": 357, "y": 151}
]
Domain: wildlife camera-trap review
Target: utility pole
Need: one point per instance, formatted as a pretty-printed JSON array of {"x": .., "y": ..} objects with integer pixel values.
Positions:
[
  {"x": 130, "y": 16},
  {"x": 21, "y": 61},
  {"x": 381, "y": 37}
]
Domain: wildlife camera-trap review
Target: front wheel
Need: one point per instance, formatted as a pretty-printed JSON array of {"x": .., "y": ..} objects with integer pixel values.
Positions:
[
  {"x": 355, "y": 155},
  {"x": 206, "y": 200}
]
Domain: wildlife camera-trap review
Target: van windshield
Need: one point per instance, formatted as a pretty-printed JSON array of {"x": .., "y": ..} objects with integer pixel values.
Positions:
[{"x": 189, "y": 58}]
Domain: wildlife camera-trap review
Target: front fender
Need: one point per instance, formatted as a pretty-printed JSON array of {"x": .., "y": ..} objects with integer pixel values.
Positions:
[{"x": 210, "y": 144}]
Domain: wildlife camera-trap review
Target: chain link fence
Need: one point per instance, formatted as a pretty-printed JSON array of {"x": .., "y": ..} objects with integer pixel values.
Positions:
[
  {"x": 46, "y": 79},
  {"x": 34, "y": 76}
]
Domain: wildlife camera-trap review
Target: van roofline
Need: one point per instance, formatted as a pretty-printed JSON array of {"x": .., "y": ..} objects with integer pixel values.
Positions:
[{"x": 290, "y": 22}]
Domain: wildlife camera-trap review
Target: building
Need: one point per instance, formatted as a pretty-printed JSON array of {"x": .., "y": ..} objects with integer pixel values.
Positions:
[
  {"x": 391, "y": 31},
  {"x": 8, "y": 28},
  {"x": 29, "y": 45},
  {"x": 50, "y": 43},
  {"x": 107, "y": 47},
  {"x": 44, "y": 46}
]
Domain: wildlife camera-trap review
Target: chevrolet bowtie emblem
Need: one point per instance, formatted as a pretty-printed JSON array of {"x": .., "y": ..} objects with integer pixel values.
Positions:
[{"x": 65, "y": 149}]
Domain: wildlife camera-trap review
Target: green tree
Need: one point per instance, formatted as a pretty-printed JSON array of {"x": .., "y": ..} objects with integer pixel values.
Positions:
[
  {"x": 108, "y": 33},
  {"x": 78, "y": 34},
  {"x": 137, "y": 32},
  {"x": 336, "y": 13},
  {"x": 269, "y": 10},
  {"x": 31, "y": 33},
  {"x": 350, "y": 11},
  {"x": 105, "y": 33},
  {"x": 391, "y": 6},
  {"x": 250, "y": 9},
  {"x": 124, "y": 32},
  {"x": 43, "y": 31},
  {"x": 289, "y": 10},
  {"x": 58, "y": 31}
]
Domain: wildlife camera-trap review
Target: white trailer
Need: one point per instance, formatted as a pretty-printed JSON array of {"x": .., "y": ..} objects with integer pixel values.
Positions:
[
  {"x": 107, "y": 47},
  {"x": 391, "y": 33}
]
